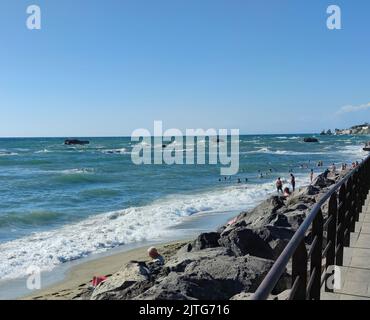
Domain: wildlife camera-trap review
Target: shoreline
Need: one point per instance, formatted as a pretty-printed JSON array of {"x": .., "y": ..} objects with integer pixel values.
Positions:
[
  {"x": 78, "y": 277},
  {"x": 70, "y": 277}
]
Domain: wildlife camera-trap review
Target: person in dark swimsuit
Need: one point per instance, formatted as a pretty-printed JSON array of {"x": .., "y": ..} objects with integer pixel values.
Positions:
[{"x": 292, "y": 181}]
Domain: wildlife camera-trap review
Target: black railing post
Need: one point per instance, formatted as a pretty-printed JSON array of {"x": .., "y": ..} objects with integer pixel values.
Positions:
[
  {"x": 331, "y": 236},
  {"x": 316, "y": 258},
  {"x": 341, "y": 226},
  {"x": 348, "y": 212},
  {"x": 354, "y": 207},
  {"x": 299, "y": 272}
]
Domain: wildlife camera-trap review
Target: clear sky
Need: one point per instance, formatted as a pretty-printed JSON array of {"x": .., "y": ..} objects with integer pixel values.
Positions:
[{"x": 107, "y": 67}]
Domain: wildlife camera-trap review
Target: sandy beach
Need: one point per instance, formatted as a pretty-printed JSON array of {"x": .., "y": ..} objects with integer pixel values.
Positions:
[{"x": 78, "y": 278}]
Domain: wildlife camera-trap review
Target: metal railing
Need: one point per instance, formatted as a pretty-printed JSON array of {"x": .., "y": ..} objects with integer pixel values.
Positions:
[{"x": 310, "y": 265}]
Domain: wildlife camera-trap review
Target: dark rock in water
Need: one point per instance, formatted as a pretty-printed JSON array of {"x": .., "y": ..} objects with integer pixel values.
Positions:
[
  {"x": 217, "y": 277},
  {"x": 76, "y": 142},
  {"x": 310, "y": 139}
]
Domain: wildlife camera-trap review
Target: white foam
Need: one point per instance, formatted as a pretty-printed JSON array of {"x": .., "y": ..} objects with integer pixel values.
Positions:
[
  {"x": 77, "y": 171},
  {"x": 282, "y": 152},
  {"x": 7, "y": 153},
  {"x": 43, "y": 151},
  {"x": 116, "y": 151}
]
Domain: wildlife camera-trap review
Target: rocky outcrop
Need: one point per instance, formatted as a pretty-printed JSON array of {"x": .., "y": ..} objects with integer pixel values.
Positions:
[
  {"x": 310, "y": 139},
  {"x": 116, "y": 285},
  {"x": 214, "y": 277},
  {"x": 76, "y": 142},
  {"x": 361, "y": 129},
  {"x": 204, "y": 241}
]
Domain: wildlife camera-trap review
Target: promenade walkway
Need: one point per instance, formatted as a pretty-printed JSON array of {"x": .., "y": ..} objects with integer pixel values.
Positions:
[{"x": 355, "y": 273}]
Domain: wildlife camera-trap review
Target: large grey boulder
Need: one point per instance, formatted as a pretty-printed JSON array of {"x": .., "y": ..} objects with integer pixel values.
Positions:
[
  {"x": 211, "y": 277},
  {"x": 260, "y": 215},
  {"x": 322, "y": 181},
  {"x": 291, "y": 219},
  {"x": 242, "y": 241},
  {"x": 113, "y": 288},
  {"x": 265, "y": 242},
  {"x": 203, "y": 241},
  {"x": 183, "y": 258}
]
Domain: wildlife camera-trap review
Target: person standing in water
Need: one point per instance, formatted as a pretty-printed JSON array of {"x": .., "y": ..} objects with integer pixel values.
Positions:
[
  {"x": 292, "y": 181},
  {"x": 311, "y": 175},
  {"x": 279, "y": 185}
]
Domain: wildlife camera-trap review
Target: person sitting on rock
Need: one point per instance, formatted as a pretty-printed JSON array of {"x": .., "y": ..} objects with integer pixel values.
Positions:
[
  {"x": 157, "y": 258},
  {"x": 286, "y": 192}
]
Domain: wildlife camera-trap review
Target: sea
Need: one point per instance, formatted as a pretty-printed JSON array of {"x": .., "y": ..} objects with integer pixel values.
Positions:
[{"x": 61, "y": 203}]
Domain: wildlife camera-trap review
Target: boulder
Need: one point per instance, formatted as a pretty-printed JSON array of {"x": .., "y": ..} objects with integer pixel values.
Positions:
[
  {"x": 183, "y": 258},
  {"x": 217, "y": 278},
  {"x": 291, "y": 219},
  {"x": 260, "y": 215},
  {"x": 76, "y": 142},
  {"x": 242, "y": 296},
  {"x": 204, "y": 241},
  {"x": 131, "y": 274},
  {"x": 242, "y": 241},
  {"x": 266, "y": 242},
  {"x": 322, "y": 181},
  {"x": 310, "y": 139}
]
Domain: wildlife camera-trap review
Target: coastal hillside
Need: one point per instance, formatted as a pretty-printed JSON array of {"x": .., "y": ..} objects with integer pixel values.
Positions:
[{"x": 360, "y": 129}]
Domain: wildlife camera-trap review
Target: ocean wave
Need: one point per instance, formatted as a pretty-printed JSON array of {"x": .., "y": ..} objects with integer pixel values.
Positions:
[
  {"x": 43, "y": 151},
  {"x": 8, "y": 153},
  {"x": 281, "y": 152},
  {"x": 35, "y": 218},
  {"x": 116, "y": 151},
  {"x": 78, "y": 171},
  {"x": 105, "y": 231},
  {"x": 355, "y": 150}
]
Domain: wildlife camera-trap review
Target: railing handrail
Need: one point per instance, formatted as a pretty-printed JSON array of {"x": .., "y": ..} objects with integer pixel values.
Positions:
[{"x": 278, "y": 268}]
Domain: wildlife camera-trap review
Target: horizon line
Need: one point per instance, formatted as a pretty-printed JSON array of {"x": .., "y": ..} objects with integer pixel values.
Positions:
[{"x": 126, "y": 136}]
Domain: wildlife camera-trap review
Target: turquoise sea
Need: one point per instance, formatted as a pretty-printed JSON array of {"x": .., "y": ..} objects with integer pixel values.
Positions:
[{"x": 62, "y": 203}]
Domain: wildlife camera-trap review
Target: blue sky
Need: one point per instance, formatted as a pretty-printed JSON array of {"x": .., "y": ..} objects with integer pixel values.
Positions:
[{"x": 109, "y": 67}]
